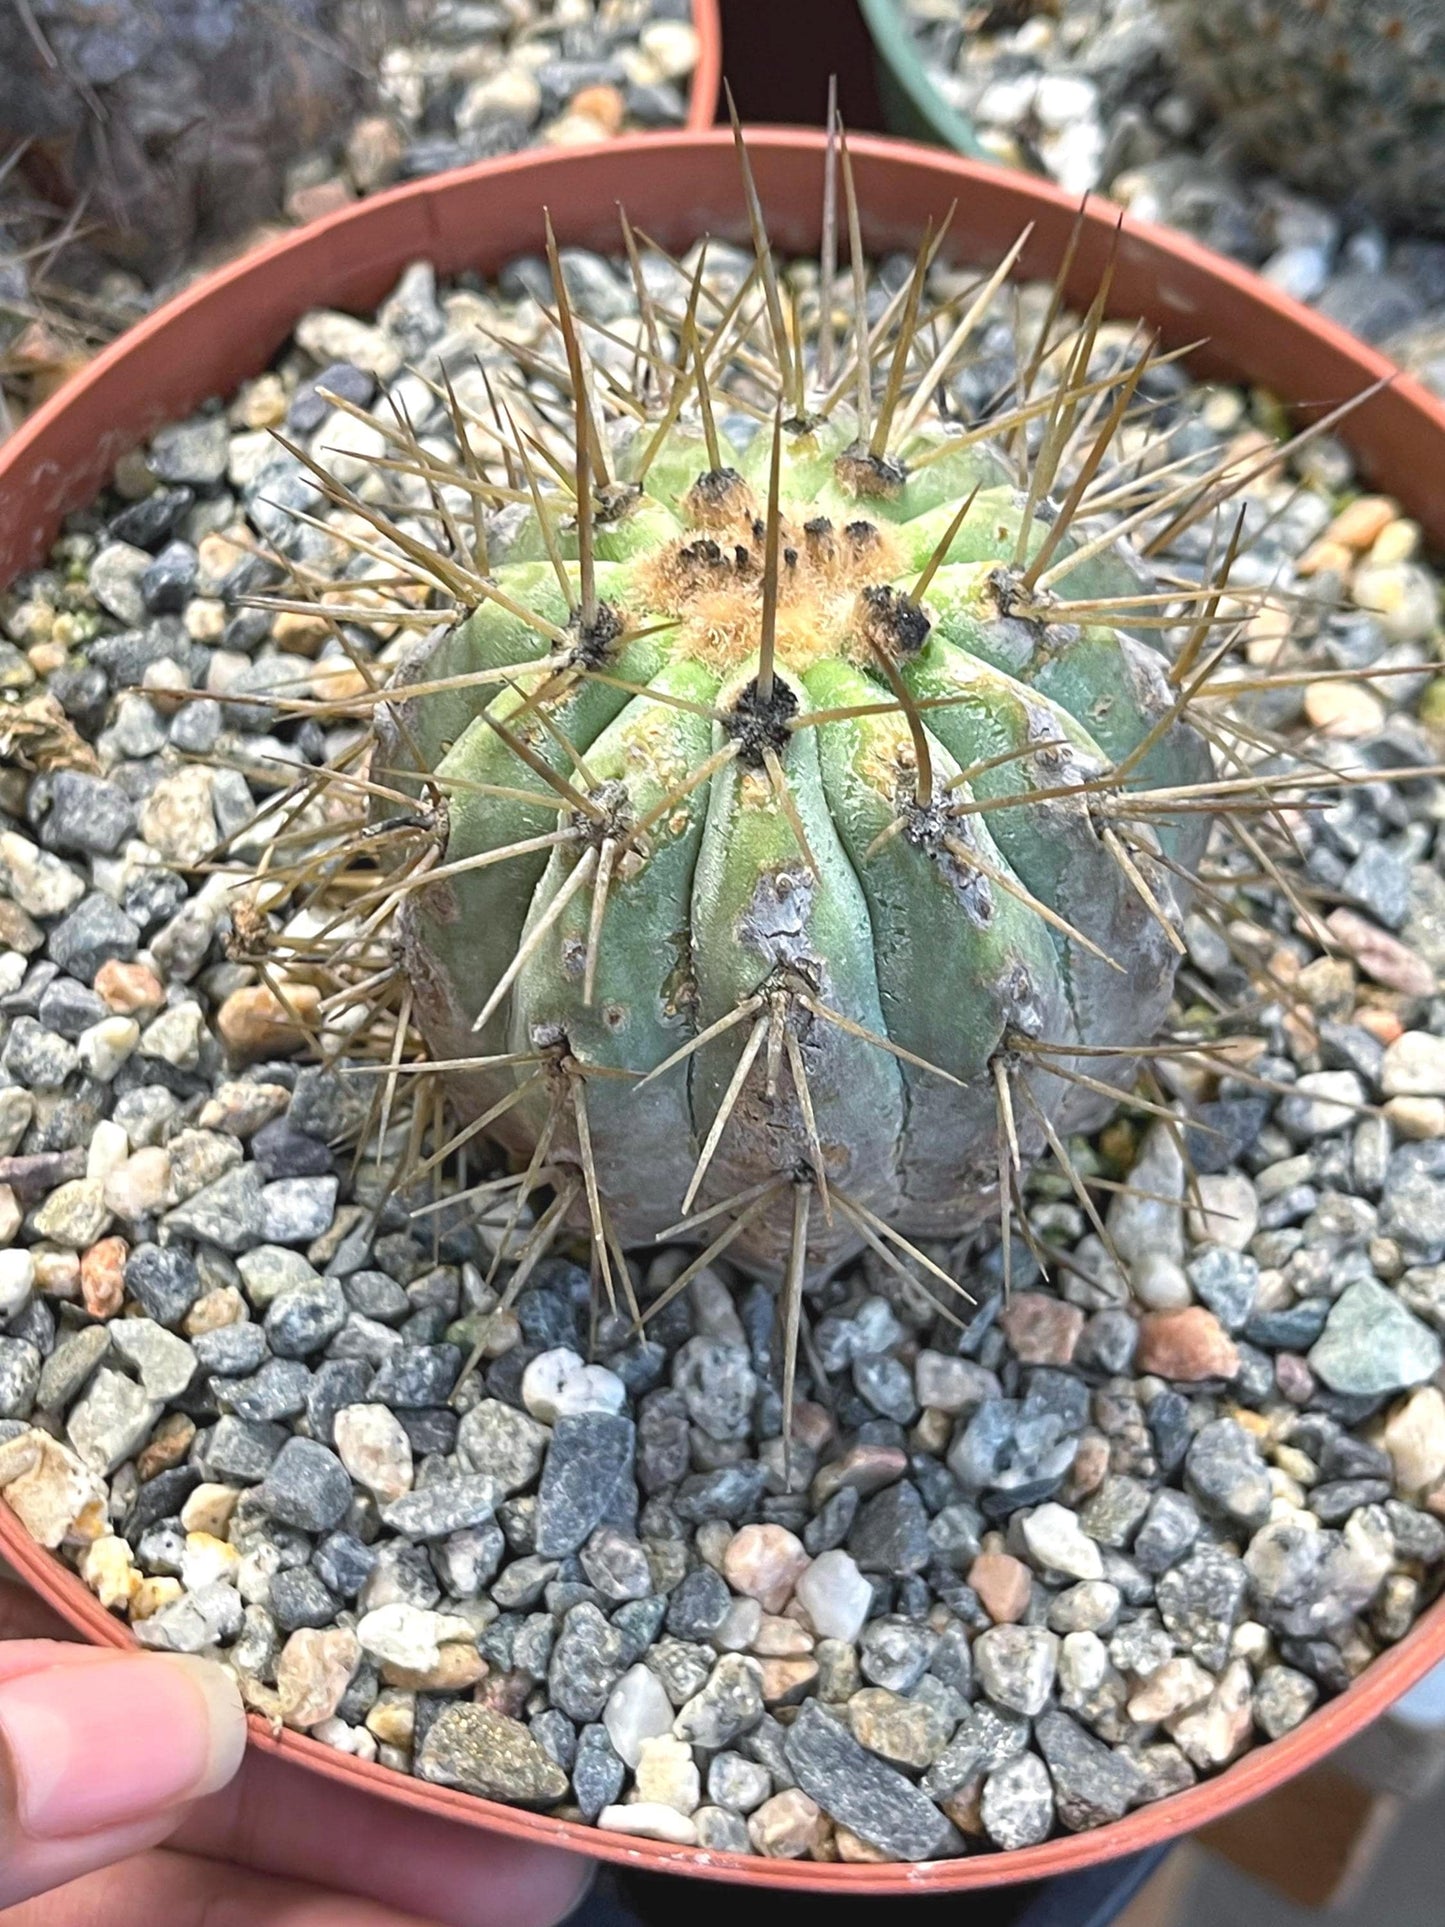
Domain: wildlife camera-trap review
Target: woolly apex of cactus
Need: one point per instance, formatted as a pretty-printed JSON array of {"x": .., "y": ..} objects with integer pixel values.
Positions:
[
  {"x": 779, "y": 847},
  {"x": 1343, "y": 97}
]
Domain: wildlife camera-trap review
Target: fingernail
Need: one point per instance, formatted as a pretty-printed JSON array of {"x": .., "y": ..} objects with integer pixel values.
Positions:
[{"x": 97, "y": 1745}]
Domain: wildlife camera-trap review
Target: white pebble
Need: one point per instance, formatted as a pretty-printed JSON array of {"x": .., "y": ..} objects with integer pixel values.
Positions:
[
  {"x": 1414, "y": 1066},
  {"x": 105, "y": 1046},
  {"x": 835, "y": 1596},
  {"x": 409, "y": 1636},
  {"x": 1159, "y": 1282},
  {"x": 650, "y": 1822},
  {"x": 637, "y": 1710},
  {"x": 109, "y": 1145},
  {"x": 17, "y": 1280},
  {"x": 1227, "y": 1212},
  {"x": 1057, "y": 1542},
  {"x": 557, "y": 1384}
]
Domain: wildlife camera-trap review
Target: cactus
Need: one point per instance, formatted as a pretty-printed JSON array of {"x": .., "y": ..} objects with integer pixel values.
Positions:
[
  {"x": 796, "y": 835},
  {"x": 1343, "y": 97},
  {"x": 785, "y": 839}
]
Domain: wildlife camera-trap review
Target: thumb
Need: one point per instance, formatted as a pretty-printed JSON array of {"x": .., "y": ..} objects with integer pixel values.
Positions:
[{"x": 100, "y": 1751}]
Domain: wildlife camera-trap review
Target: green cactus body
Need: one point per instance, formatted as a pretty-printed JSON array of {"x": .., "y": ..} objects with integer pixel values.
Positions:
[
  {"x": 1343, "y": 97},
  {"x": 817, "y": 962}
]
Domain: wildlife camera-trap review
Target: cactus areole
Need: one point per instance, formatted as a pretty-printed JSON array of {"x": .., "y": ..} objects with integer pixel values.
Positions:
[{"x": 811, "y": 821}]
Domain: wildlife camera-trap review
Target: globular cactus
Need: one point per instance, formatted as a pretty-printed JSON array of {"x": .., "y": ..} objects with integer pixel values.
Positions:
[
  {"x": 797, "y": 835},
  {"x": 1343, "y": 97}
]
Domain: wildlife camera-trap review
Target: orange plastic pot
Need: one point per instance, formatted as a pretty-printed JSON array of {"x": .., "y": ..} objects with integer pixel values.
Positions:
[{"x": 677, "y": 187}]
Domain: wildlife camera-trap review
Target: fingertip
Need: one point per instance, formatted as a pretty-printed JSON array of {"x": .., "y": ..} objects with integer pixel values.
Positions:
[{"x": 224, "y": 1716}]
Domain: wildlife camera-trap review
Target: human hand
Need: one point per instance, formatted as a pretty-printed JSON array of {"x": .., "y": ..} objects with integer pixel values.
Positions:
[{"x": 127, "y": 1798}]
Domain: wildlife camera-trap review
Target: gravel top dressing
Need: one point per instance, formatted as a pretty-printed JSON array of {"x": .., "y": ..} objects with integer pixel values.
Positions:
[
  {"x": 1018, "y": 1570},
  {"x": 1094, "y": 94}
]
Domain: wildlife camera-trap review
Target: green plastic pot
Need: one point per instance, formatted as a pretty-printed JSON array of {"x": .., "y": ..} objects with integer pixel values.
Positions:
[{"x": 912, "y": 104}]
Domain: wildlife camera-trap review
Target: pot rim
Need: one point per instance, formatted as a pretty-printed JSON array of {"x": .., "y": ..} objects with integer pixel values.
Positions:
[
  {"x": 186, "y": 350},
  {"x": 895, "y": 48},
  {"x": 706, "y": 81}
]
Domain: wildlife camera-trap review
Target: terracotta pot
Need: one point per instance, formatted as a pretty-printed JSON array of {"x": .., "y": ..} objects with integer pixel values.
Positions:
[{"x": 676, "y": 187}]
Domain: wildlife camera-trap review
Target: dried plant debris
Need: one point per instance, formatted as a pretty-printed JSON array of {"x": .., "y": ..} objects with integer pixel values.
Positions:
[{"x": 727, "y": 1503}]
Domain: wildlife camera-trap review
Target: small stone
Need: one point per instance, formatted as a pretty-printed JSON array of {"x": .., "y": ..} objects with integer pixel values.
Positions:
[
  {"x": 164, "y": 1280},
  {"x": 1224, "y": 1470},
  {"x": 1414, "y": 1066},
  {"x": 855, "y": 1788},
  {"x": 116, "y": 572},
  {"x": 1282, "y": 1699},
  {"x": 1147, "y": 1219},
  {"x": 729, "y": 1703},
  {"x": 587, "y": 1474},
  {"x": 587, "y": 1661},
  {"x": 739, "y": 1784},
  {"x": 637, "y": 1709},
  {"x": 944, "y": 1383},
  {"x": 557, "y": 1384},
  {"x": 1003, "y": 1585},
  {"x": 1201, "y": 1601},
  {"x": 329, "y": 336},
  {"x": 718, "y": 1384},
  {"x": 787, "y": 1826},
  {"x": 1057, "y": 1543},
  {"x": 1093, "y": 1783},
  {"x": 373, "y": 1445},
  {"x": 306, "y": 1486},
  {"x": 1344, "y": 711},
  {"x": 1414, "y": 1436},
  {"x": 111, "y": 1421},
  {"x": 891, "y": 1532},
  {"x": 700, "y": 1606},
  {"x": 597, "y": 1772},
  {"x": 74, "y": 1214},
  {"x": 108, "y": 1567},
  {"x": 497, "y": 1439},
  {"x": 195, "y": 451},
  {"x": 1041, "y": 1329},
  {"x": 47, "y": 1486},
  {"x": 417, "y": 1376},
  {"x": 1372, "y": 1344},
  {"x": 254, "y": 1022},
  {"x": 228, "y": 1213},
  {"x": 649, "y": 1823},
  {"x": 165, "y": 1362},
  {"x": 1017, "y": 1808},
  {"x": 17, "y": 1280},
  {"x": 1016, "y": 1666},
  {"x": 484, "y": 1752},
  {"x": 303, "y": 1318},
  {"x": 451, "y": 1505},
  {"x": 835, "y": 1596},
  {"x": 1214, "y": 1732},
  {"x": 1171, "y": 1689},
  {"x": 905, "y": 1732},
  {"x": 313, "y": 1671},
  {"x": 1186, "y": 1345},
  {"x": 666, "y": 1774},
  {"x": 765, "y": 1562},
  {"x": 102, "y": 1277},
  {"x": 1382, "y": 957}
]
